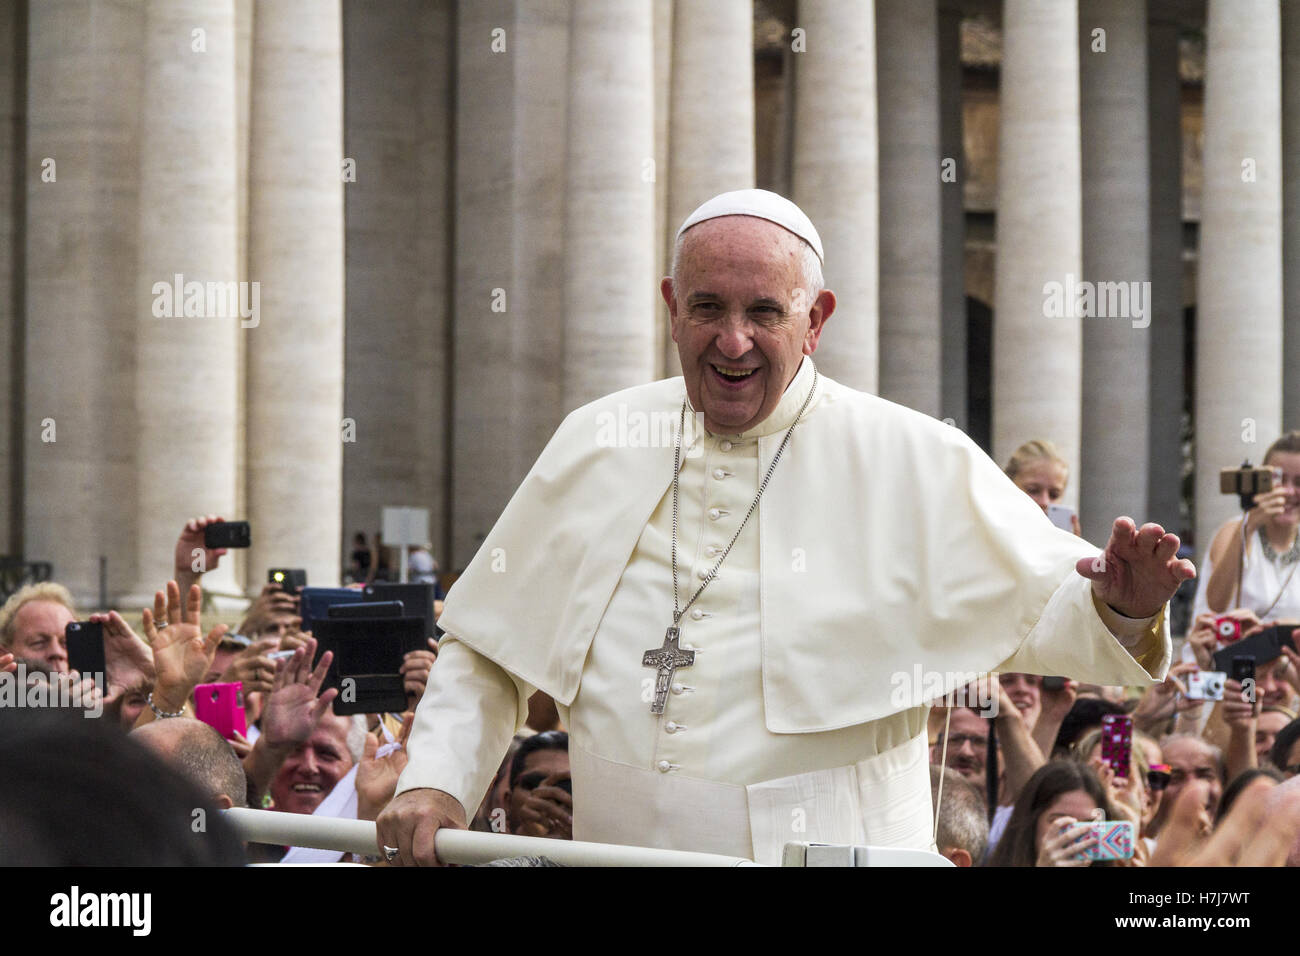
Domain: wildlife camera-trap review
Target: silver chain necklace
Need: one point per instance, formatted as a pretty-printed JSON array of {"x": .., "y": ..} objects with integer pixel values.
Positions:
[
  {"x": 1290, "y": 557},
  {"x": 670, "y": 656}
]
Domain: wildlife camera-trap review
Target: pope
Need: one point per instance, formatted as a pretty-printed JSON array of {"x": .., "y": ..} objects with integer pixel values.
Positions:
[{"x": 744, "y": 617}]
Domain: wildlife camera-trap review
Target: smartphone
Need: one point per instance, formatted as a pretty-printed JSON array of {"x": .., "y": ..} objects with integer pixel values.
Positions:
[
  {"x": 1114, "y": 840},
  {"x": 1117, "y": 742},
  {"x": 1243, "y": 669},
  {"x": 1053, "y": 683},
  {"x": 314, "y": 603},
  {"x": 1206, "y": 685},
  {"x": 85, "y": 647},
  {"x": 227, "y": 534},
  {"x": 290, "y": 579},
  {"x": 1264, "y": 646},
  {"x": 221, "y": 706},
  {"x": 1061, "y": 516}
]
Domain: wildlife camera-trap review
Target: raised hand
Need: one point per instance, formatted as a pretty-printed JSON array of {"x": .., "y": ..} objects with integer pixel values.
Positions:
[
  {"x": 1138, "y": 571},
  {"x": 1259, "y": 830},
  {"x": 292, "y": 709},
  {"x": 253, "y": 667},
  {"x": 1066, "y": 843},
  {"x": 548, "y": 810},
  {"x": 415, "y": 672},
  {"x": 182, "y": 655},
  {"x": 127, "y": 658},
  {"x": 376, "y": 780},
  {"x": 1162, "y": 701},
  {"x": 191, "y": 551}
]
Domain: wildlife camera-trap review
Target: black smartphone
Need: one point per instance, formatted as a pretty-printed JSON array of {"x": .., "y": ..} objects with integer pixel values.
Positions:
[
  {"x": 1264, "y": 646},
  {"x": 85, "y": 647},
  {"x": 290, "y": 579},
  {"x": 365, "y": 609},
  {"x": 227, "y": 534},
  {"x": 1243, "y": 669},
  {"x": 367, "y": 661},
  {"x": 1053, "y": 683}
]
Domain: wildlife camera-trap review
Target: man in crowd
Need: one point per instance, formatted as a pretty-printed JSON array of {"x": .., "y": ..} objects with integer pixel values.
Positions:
[
  {"x": 963, "y": 820},
  {"x": 540, "y": 800},
  {"x": 32, "y": 624},
  {"x": 882, "y": 541},
  {"x": 201, "y": 754},
  {"x": 1189, "y": 758}
]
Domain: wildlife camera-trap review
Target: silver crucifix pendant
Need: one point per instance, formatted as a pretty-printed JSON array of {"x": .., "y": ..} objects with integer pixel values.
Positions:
[{"x": 667, "y": 659}]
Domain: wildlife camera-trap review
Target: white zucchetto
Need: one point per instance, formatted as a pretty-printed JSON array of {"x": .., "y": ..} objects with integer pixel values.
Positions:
[{"x": 763, "y": 205}]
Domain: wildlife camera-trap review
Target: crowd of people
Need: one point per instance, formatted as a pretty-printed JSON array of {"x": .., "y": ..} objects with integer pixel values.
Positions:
[
  {"x": 1206, "y": 781},
  {"x": 1018, "y": 783}
]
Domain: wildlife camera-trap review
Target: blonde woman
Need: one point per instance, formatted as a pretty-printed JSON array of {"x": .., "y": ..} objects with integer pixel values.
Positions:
[{"x": 1038, "y": 470}]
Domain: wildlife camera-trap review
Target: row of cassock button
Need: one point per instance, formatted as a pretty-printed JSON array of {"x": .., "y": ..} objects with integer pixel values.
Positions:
[{"x": 719, "y": 474}]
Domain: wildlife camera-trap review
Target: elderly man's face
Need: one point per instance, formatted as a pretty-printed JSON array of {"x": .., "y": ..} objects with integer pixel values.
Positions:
[
  {"x": 742, "y": 318},
  {"x": 1188, "y": 759},
  {"x": 39, "y": 634},
  {"x": 312, "y": 770}
]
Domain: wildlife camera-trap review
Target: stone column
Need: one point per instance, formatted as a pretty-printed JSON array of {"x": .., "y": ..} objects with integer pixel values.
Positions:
[
  {"x": 1112, "y": 469},
  {"x": 85, "y": 63},
  {"x": 952, "y": 232},
  {"x": 295, "y": 252},
  {"x": 609, "y": 332},
  {"x": 398, "y": 83},
  {"x": 1036, "y": 358},
  {"x": 663, "y": 53},
  {"x": 13, "y": 122},
  {"x": 186, "y": 385},
  {"x": 834, "y": 180},
  {"x": 511, "y": 100},
  {"x": 911, "y": 329},
  {"x": 1291, "y": 213},
  {"x": 1167, "y": 386},
  {"x": 1239, "y": 275},
  {"x": 712, "y": 112}
]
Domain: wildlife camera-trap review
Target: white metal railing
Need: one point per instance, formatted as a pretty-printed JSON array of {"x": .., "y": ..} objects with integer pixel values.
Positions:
[{"x": 466, "y": 847}]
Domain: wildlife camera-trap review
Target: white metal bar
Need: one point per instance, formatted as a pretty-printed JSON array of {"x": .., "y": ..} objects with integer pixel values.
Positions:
[{"x": 464, "y": 847}]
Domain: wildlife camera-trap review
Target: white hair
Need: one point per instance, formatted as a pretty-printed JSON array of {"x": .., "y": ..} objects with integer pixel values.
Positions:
[{"x": 810, "y": 266}]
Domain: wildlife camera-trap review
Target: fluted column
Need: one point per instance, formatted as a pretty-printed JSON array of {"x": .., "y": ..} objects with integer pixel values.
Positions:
[
  {"x": 1036, "y": 358},
  {"x": 84, "y": 84},
  {"x": 1239, "y": 275},
  {"x": 1112, "y": 468},
  {"x": 511, "y": 99},
  {"x": 952, "y": 234},
  {"x": 186, "y": 390},
  {"x": 13, "y": 119},
  {"x": 663, "y": 57},
  {"x": 712, "y": 118},
  {"x": 398, "y": 133},
  {"x": 1291, "y": 213},
  {"x": 295, "y": 354},
  {"x": 911, "y": 329},
  {"x": 1167, "y": 386},
  {"x": 610, "y": 332},
  {"x": 834, "y": 181}
]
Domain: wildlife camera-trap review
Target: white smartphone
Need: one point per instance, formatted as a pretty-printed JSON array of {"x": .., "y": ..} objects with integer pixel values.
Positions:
[{"x": 1062, "y": 516}]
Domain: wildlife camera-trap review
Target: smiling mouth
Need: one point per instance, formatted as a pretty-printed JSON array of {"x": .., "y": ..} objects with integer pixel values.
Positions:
[
  {"x": 306, "y": 788},
  {"x": 732, "y": 376}
]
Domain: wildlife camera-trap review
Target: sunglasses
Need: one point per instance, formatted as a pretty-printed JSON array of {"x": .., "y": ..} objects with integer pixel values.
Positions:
[{"x": 1158, "y": 776}]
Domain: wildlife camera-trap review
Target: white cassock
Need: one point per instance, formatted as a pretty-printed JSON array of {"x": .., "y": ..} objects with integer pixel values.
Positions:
[{"x": 888, "y": 562}]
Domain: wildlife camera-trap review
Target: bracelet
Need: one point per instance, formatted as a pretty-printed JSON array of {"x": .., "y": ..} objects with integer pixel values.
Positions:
[{"x": 162, "y": 713}]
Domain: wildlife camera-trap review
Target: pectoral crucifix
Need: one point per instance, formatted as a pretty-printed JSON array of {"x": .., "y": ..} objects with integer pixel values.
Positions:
[{"x": 667, "y": 658}]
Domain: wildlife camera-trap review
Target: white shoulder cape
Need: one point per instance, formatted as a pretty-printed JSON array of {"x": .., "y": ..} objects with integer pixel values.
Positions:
[{"x": 890, "y": 546}]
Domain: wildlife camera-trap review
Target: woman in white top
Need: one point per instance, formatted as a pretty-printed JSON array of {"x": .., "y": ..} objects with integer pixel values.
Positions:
[{"x": 1270, "y": 584}]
